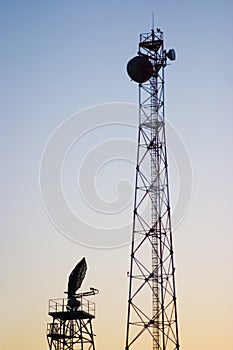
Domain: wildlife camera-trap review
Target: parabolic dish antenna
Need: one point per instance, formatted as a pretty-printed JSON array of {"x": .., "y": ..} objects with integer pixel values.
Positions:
[
  {"x": 171, "y": 54},
  {"x": 139, "y": 69}
]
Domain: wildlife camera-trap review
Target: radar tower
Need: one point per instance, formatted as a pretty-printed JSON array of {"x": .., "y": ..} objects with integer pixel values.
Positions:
[{"x": 71, "y": 327}]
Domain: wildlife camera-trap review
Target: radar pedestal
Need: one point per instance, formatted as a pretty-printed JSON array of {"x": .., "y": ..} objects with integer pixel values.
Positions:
[{"x": 71, "y": 326}]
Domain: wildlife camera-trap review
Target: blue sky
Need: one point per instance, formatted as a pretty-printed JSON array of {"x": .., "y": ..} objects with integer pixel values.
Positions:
[{"x": 58, "y": 58}]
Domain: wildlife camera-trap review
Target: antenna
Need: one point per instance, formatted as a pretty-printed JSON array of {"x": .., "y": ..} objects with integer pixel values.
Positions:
[
  {"x": 76, "y": 277},
  {"x": 153, "y": 20}
]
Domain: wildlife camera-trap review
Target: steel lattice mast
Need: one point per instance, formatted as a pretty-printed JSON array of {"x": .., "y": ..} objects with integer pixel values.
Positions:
[{"x": 152, "y": 272}]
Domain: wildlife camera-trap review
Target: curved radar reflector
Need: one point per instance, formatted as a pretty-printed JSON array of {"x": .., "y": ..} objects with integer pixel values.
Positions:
[
  {"x": 76, "y": 277},
  {"x": 139, "y": 69}
]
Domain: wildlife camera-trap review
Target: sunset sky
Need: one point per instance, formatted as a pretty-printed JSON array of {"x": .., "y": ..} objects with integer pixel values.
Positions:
[{"x": 59, "y": 59}]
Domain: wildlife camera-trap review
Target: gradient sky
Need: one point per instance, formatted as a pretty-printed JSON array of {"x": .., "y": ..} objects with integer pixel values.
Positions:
[{"x": 59, "y": 57}]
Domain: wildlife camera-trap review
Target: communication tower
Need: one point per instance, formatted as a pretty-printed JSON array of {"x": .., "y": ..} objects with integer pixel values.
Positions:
[
  {"x": 71, "y": 327},
  {"x": 152, "y": 308}
]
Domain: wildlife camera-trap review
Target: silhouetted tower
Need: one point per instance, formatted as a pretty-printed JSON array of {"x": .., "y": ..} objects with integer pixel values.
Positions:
[
  {"x": 152, "y": 311},
  {"x": 71, "y": 327}
]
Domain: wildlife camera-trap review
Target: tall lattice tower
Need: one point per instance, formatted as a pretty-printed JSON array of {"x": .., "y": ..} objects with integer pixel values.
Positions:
[{"x": 152, "y": 309}]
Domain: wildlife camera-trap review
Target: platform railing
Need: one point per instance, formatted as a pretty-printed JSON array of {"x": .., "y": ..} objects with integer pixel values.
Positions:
[{"x": 60, "y": 305}]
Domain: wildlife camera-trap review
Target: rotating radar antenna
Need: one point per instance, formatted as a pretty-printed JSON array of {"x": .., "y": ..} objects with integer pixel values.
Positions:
[{"x": 76, "y": 277}]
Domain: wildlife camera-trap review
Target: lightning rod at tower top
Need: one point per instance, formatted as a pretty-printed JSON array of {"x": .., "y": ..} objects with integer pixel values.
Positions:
[{"x": 152, "y": 303}]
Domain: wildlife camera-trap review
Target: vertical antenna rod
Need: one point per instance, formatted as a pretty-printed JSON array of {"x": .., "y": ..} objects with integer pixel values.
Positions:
[
  {"x": 152, "y": 272},
  {"x": 153, "y": 20}
]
